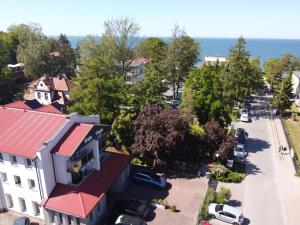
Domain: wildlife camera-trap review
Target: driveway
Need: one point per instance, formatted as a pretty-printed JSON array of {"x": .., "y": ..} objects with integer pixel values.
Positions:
[{"x": 186, "y": 194}]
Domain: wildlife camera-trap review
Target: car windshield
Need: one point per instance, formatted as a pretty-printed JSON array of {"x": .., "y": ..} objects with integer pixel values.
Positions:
[
  {"x": 219, "y": 208},
  {"x": 239, "y": 149}
]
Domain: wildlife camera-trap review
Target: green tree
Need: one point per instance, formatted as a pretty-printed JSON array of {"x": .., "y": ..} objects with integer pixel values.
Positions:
[
  {"x": 99, "y": 95},
  {"x": 7, "y": 86},
  {"x": 282, "y": 98},
  {"x": 182, "y": 55},
  {"x": 240, "y": 77},
  {"x": 204, "y": 92}
]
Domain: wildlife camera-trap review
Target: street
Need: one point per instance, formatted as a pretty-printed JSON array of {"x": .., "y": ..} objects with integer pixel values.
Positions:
[{"x": 270, "y": 192}]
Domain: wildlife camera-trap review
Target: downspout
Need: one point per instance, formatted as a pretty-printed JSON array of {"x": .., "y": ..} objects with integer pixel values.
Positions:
[
  {"x": 39, "y": 181},
  {"x": 53, "y": 168}
]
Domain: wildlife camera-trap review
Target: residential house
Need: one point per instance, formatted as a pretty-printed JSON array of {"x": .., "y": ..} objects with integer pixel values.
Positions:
[
  {"x": 53, "y": 166},
  {"x": 136, "y": 71},
  {"x": 211, "y": 60},
  {"x": 48, "y": 89},
  {"x": 296, "y": 83}
]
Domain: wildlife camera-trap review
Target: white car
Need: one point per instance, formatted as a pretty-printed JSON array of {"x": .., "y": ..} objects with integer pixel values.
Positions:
[
  {"x": 244, "y": 117},
  {"x": 226, "y": 213},
  {"x": 240, "y": 151}
]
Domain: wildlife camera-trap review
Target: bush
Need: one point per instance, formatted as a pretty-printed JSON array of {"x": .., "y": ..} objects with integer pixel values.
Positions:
[
  {"x": 209, "y": 198},
  {"x": 223, "y": 196},
  {"x": 223, "y": 174},
  {"x": 137, "y": 161},
  {"x": 173, "y": 208}
]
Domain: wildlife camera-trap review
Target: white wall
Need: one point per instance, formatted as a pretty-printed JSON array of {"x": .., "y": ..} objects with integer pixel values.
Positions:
[
  {"x": 22, "y": 191},
  {"x": 60, "y": 164},
  {"x": 295, "y": 82}
]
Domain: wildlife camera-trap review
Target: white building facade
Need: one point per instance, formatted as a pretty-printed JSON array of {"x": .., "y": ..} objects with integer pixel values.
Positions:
[{"x": 43, "y": 156}]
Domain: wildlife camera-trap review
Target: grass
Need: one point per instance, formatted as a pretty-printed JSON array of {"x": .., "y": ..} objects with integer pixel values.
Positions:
[{"x": 293, "y": 128}]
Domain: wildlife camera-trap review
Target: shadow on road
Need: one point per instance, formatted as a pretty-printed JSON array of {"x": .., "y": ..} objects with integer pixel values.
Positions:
[
  {"x": 235, "y": 203},
  {"x": 246, "y": 221},
  {"x": 257, "y": 145},
  {"x": 251, "y": 168}
]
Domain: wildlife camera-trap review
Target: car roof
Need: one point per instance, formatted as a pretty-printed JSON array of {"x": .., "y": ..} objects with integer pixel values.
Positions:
[
  {"x": 127, "y": 219},
  {"x": 233, "y": 210}
]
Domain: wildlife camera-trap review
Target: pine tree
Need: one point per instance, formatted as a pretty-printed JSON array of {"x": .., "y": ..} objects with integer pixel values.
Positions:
[{"x": 282, "y": 98}]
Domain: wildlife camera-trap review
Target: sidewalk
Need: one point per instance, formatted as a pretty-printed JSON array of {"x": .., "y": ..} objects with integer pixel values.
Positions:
[{"x": 287, "y": 182}]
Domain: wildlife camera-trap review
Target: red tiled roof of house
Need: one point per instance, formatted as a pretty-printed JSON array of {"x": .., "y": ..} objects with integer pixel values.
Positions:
[
  {"x": 72, "y": 139},
  {"x": 141, "y": 59},
  {"x": 23, "y": 132},
  {"x": 81, "y": 200},
  {"x": 49, "y": 109},
  {"x": 18, "y": 105}
]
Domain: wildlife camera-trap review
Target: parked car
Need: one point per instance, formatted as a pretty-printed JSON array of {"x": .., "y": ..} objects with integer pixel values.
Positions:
[
  {"x": 21, "y": 221},
  {"x": 241, "y": 139},
  {"x": 129, "y": 220},
  {"x": 244, "y": 116},
  {"x": 133, "y": 207},
  {"x": 147, "y": 177},
  {"x": 240, "y": 151},
  {"x": 226, "y": 213}
]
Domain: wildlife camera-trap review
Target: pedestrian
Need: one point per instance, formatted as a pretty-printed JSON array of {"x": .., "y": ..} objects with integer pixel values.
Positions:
[
  {"x": 285, "y": 150},
  {"x": 282, "y": 153}
]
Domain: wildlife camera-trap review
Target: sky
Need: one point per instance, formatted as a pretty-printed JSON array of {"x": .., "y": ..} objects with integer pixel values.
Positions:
[{"x": 199, "y": 18}]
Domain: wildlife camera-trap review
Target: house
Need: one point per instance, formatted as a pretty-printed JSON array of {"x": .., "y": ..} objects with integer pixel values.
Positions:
[
  {"x": 211, "y": 60},
  {"x": 296, "y": 83},
  {"x": 136, "y": 71},
  {"x": 48, "y": 89},
  {"x": 53, "y": 166}
]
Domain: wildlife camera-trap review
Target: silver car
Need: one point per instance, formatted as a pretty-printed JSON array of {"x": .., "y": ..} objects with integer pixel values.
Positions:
[{"x": 225, "y": 213}]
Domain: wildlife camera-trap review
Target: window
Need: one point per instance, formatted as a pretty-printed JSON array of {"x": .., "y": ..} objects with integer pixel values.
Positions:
[
  {"x": 1, "y": 157},
  {"x": 17, "y": 180},
  {"x": 39, "y": 95},
  {"x": 28, "y": 163},
  {"x": 9, "y": 201},
  {"x": 13, "y": 159},
  {"x": 31, "y": 184},
  {"x": 69, "y": 220},
  {"x": 77, "y": 221},
  {"x": 51, "y": 216},
  {"x": 36, "y": 208},
  {"x": 46, "y": 96},
  {"x": 3, "y": 177},
  {"x": 60, "y": 220},
  {"x": 22, "y": 204},
  {"x": 91, "y": 156}
]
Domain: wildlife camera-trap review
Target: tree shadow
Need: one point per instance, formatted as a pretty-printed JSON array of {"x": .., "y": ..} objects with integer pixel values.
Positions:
[
  {"x": 257, "y": 145},
  {"x": 251, "y": 169},
  {"x": 234, "y": 203}
]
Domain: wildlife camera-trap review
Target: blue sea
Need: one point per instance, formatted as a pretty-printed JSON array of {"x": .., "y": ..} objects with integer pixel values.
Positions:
[{"x": 260, "y": 48}]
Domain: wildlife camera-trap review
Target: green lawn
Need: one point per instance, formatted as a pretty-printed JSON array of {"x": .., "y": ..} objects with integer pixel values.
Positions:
[{"x": 293, "y": 128}]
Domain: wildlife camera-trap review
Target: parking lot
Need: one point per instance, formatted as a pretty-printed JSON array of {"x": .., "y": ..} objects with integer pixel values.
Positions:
[
  {"x": 7, "y": 218},
  {"x": 186, "y": 194}
]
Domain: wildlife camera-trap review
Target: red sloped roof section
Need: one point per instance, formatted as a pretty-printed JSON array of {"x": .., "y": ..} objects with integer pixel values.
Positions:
[
  {"x": 49, "y": 109},
  {"x": 81, "y": 200},
  {"x": 72, "y": 139},
  {"x": 18, "y": 105},
  {"x": 22, "y": 132}
]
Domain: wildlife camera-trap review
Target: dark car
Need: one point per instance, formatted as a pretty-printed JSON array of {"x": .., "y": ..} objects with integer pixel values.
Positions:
[
  {"x": 240, "y": 131},
  {"x": 129, "y": 220},
  {"x": 147, "y": 177},
  {"x": 133, "y": 207},
  {"x": 21, "y": 221}
]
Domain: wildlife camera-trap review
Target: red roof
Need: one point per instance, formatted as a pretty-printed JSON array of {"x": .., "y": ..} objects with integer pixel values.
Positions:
[
  {"x": 49, "y": 109},
  {"x": 72, "y": 139},
  {"x": 81, "y": 200},
  {"x": 23, "y": 132},
  {"x": 141, "y": 59},
  {"x": 18, "y": 105}
]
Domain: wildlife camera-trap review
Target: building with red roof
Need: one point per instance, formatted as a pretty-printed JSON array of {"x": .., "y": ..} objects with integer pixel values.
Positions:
[
  {"x": 53, "y": 166},
  {"x": 136, "y": 70}
]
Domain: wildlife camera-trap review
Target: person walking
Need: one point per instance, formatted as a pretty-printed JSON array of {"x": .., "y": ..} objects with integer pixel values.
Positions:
[{"x": 282, "y": 152}]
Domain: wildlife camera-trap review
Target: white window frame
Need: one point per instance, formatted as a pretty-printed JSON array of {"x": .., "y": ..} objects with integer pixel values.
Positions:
[
  {"x": 15, "y": 179},
  {"x": 9, "y": 201},
  {"x": 3, "y": 176},
  {"x": 30, "y": 182}
]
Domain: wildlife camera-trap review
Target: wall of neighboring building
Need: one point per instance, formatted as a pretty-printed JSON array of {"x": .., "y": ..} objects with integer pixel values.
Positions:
[
  {"x": 21, "y": 190},
  {"x": 121, "y": 182},
  {"x": 295, "y": 82}
]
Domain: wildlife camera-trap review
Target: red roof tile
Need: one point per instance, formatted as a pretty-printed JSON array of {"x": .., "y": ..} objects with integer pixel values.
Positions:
[
  {"x": 18, "y": 105},
  {"x": 49, "y": 109},
  {"x": 23, "y": 132},
  {"x": 81, "y": 200},
  {"x": 72, "y": 139}
]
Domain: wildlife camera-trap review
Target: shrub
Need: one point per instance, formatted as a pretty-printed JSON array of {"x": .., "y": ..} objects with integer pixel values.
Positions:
[
  {"x": 173, "y": 208},
  {"x": 209, "y": 198},
  {"x": 223, "y": 174},
  {"x": 223, "y": 196}
]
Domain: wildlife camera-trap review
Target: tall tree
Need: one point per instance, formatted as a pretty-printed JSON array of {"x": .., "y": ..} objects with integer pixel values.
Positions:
[
  {"x": 182, "y": 55},
  {"x": 208, "y": 100},
  {"x": 240, "y": 77},
  {"x": 282, "y": 98}
]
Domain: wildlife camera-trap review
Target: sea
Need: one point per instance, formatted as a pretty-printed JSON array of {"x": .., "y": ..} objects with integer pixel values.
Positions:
[{"x": 263, "y": 49}]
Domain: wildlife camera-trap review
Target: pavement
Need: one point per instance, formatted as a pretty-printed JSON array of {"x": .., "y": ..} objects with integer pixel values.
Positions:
[
  {"x": 186, "y": 193},
  {"x": 270, "y": 193}
]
